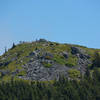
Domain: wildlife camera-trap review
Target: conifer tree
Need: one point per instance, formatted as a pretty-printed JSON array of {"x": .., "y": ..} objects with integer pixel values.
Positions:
[
  {"x": 13, "y": 45},
  {"x": 96, "y": 61}
]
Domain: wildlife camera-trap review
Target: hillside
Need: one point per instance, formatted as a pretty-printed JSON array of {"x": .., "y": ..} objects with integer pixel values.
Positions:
[{"x": 43, "y": 60}]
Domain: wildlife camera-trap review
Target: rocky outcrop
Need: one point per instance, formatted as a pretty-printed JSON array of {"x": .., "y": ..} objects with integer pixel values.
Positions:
[
  {"x": 42, "y": 40},
  {"x": 36, "y": 71},
  {"x": 77, "y": 50},
  {"x": 83, "y": 58},
  {"x": 83, "y": 63},
  {"x": 80, "y": 53}
]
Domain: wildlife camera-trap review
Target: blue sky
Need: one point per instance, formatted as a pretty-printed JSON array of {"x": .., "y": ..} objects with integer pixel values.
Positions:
[{"x": 64, "y": 21}]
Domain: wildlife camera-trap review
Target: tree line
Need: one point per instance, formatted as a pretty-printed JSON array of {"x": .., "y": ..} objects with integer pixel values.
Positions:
[{"x": 87, "y": 88}]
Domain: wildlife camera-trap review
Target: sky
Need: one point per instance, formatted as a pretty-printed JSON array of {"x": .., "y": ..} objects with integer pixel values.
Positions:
[{"x": 64, "y": 21}]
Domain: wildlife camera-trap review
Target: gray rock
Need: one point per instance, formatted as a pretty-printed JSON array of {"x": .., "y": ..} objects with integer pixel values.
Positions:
[
  {"x": 36, "y": 71},
  {"x": 83, "y": 63},
  {"x": 4, "y": 72},
  {"x": 65, "y": 54},
  {"x": 42, "y": 40},
  {"x": 80, "y": 53},
  {"x": 84, "y": 56},
  {"x": 76, "y": 50}
]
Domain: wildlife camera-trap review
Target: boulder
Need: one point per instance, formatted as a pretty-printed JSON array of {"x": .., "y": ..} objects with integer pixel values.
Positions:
[
  {"x": 65, "y": 54},
  {"x": 76, "y": 50},
  {"x": 80, "y": 53},
  {"x": 42, "y": 40}
]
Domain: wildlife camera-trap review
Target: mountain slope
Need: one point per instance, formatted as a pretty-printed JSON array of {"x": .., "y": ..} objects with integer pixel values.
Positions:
[{"x": 44, "y": 60}]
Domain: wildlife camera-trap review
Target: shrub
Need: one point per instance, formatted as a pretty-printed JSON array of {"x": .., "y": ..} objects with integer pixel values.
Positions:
[
  {"x": 96, "y": 60},
  {"x": 6, "y": 78},
  {"x": 47, "y": 65},
  {"x": 72, "y": 61},
  {"x": 22, "y": 73},
  {"x": 13, "y": 46},
  {"x": 60, "y": 59},
  {"x": 74, "y": 73},
  {"x": 48, "y": 57}
]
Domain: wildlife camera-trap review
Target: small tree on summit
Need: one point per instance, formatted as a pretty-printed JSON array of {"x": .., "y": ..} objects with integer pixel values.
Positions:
[
  {"x": 5, "y": 49},
  {"x": 13, "y": 46}
]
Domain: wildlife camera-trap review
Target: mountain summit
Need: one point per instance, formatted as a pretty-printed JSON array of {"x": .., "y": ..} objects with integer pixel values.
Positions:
[{"x": 43, "y": 60}]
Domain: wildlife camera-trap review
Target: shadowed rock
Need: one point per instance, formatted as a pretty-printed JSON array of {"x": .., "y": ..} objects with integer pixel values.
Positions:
[
  {"x": 76, "y": 50},
  {"x": 65, "y": 54}
]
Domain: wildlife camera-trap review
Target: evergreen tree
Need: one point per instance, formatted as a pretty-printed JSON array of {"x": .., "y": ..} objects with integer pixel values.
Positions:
[
  {"x": 13, "y": 46},
  {"x": 5, "y": 49},
  {"x": 96, "y": 61}
]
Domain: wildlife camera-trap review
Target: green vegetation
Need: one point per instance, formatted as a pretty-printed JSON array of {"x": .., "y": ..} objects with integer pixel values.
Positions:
[
  {"x": 13, "y": 46},
  {"x": 62, "y": 47},
  {"x": 47, "y": 65},
  {"x": 59, "y": 59},
  {"x": 72, "y": 61},
  {"x": 48, "y": 57},
  {"x": 11, "y": 66},
  {"x": 6, "y": 78},
  {"x": 22, "y": 73},
  {"x": 74, "y": 73},
  {"x": 0, "y": 74},
  {"x": 96, "y": 60}
]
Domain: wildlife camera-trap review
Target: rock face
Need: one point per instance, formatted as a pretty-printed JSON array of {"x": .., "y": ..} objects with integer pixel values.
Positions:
[
  {"x": 83, "y": 58},
  {"x": 36, "y": 71},
  {"x": 81, "y": 52},
  {"x": 76, "y": 50}
]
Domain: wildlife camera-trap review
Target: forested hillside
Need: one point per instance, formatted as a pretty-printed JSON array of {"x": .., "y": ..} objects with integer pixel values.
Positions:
[{"x": 86, "y": 89}]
